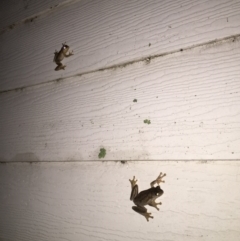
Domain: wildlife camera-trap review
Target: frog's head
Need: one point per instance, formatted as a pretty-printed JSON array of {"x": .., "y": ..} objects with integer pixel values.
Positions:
[
  {"x": 158, "y": 191},
  {"x": 65, "y": 47}
]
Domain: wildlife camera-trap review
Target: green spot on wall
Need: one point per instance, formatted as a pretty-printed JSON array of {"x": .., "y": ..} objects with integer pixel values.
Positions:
[
  {"x": 147, "y": 121},
  {"x": 102, "y": 153}
]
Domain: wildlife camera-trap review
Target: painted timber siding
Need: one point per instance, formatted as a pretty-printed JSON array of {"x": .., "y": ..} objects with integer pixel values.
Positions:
[
  {"x": 154, "y": 83},
  {"x": 192, "y": 99},
  {"x": 90, "y": 201}
]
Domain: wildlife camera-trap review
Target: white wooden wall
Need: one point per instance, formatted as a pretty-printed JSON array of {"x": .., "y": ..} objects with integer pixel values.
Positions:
[
  {"x": 179, "y": 59},
  {"x": 90, "y": 201}
]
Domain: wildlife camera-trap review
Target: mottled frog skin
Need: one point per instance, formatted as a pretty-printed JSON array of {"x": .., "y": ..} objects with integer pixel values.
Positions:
[
  {"x": 146, "y": 197},
  {"x": 59, "y": 56}
]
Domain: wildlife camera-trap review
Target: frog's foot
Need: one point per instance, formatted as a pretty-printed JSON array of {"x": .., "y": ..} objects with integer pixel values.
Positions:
[
  {"x": 133, "y": 181},
  {"x": 155, "y": 205},
  {"x": 147, "y": 216},
  {"x": 160, "y": 177}
]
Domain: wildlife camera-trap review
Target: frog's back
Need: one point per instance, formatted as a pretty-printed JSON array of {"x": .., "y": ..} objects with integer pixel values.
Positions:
[
  {"x": 145, "y": 196},
  {"x": 59, "y": 56}
]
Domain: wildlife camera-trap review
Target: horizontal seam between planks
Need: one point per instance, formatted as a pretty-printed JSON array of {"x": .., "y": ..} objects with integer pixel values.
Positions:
[
  {"x": 224, "y": 40},
  {"x": 126, "y": 161}
]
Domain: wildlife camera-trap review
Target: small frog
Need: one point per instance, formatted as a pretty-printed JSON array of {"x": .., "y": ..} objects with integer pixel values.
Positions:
[
  {"x": 59, "y": 56},
  {"x": 146, "y": 197}
]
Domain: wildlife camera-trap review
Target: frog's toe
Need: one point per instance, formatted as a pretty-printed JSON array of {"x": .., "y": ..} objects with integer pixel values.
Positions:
[{"x": 158, "y": 204}]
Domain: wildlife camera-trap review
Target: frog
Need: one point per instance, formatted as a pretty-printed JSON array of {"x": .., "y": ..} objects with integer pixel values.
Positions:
[
  {"x": 146, "y": 197},
  {"x": 60, "y": 55}
]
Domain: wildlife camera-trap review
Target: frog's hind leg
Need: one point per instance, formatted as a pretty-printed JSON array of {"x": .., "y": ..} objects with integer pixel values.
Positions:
[
  {"x": 134, "y": 192},
  {"x": 142, "y": 211},
  {"x": 60, "y": 66}
]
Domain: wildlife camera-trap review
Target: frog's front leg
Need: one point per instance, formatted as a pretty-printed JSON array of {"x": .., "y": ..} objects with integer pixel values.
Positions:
[
  {"x": 143, "y": 211},
  {"x": 154, "y": 204},
  {"x": 69, "y": 54},
  {"x": 158, "y": 180},
  {"x": 134, "y": 186}
]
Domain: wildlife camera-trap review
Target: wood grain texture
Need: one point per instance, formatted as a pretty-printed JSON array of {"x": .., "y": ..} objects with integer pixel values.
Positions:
[
  {"x": 90, "y": 201},
  {"x": 191, "y": 98},
  {"x": 14, "y": 11},
  {"x": 104, "y": 33}
]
